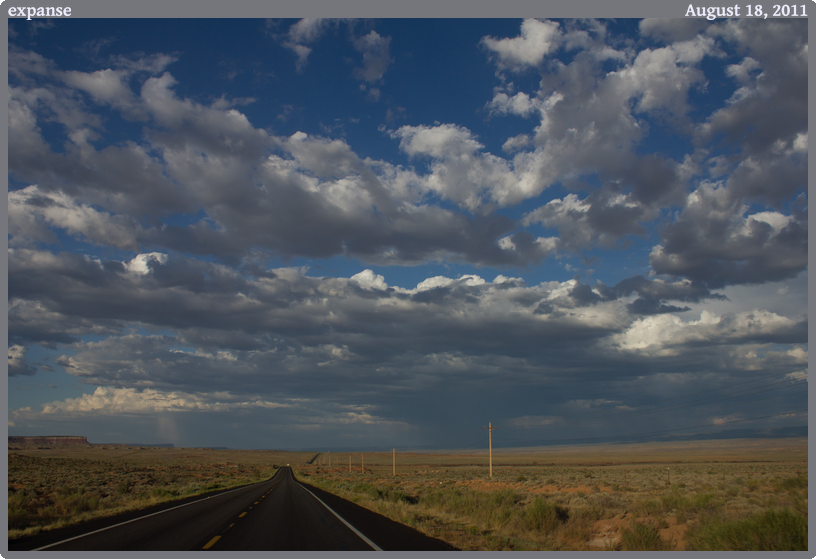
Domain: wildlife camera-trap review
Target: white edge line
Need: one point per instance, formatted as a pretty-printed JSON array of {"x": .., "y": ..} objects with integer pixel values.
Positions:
[
  {"x": 344, "y": 521},
  {"x": 146, "y": 516}
]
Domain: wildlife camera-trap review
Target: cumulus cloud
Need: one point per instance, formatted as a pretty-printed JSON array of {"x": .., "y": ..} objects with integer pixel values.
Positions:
[
  {"x": 376, "y": 57},
  {"x": 34, "y": 212},
  {"x": 17, "y": 364},
  {"x": 215, "y": 159},
  {"x": 716, "y": 241},
  {"x": 171, "y": 268},
  {"x": 537, "y": 39},
  {"x": 602, "y": 218},
  {"x": 115, "y": 401},
  {"x": 306, "y": 31},
  {"x": 668, "y": 334}
]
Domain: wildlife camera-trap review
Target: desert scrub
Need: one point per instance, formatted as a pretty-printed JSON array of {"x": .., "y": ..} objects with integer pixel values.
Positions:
[
  {"x": 544, "y": 516},
  {"x": 490, "y": 509},
  {"x": 773, "y": 530},
  {"x": 791, "y": 483},
  {"x": 642, "y": 537},
  {"x": 47, "y": 493}
]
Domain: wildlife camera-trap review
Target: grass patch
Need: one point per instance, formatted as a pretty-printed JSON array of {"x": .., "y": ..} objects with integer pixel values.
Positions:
[
  {"x": 792, "y": 483},
  {"x": 544, "y": 516},
  {"x": 773, "y": 530},
  {"x": 46, "y": 493},
  {"x": 643, "y": 537}
]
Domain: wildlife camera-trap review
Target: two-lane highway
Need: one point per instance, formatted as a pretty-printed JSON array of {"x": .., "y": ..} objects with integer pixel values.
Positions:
[
  {"x": 288, "y": 517},
  {"x": 278, "y": 514}
]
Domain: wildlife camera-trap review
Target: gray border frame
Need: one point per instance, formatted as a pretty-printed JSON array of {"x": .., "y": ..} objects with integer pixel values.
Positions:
[{"x": 353, "y": 8}]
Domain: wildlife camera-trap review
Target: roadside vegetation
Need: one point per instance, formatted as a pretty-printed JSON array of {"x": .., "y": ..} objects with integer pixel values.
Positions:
[
  {"x": 51, "y": 492},
  {"x": 723, "y": 496},
  {"x": 739, "y": 507}
]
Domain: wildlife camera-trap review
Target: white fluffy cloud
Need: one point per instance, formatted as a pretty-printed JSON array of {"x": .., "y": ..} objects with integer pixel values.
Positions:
[
  {"x": 668, "y": 334},
  {"x": 305, "y": 31},
  {"x": 115, "y": 401},
  {"x": 376, "y": 57},
  {"x": 33, "y": 212},
  {"x": 17, "y": 364},
  {"x": 537, "y": 39}
]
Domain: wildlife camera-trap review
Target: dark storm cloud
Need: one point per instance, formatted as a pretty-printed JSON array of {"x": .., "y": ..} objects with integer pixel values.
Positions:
[
  {"x": 17, "y": 363},
  {"x": 293, "y": 322},
  {"x": 772, "y": 74},
  {"x": 652, "y": 294},
  {"x": 657, "y": 289},
  {"x": 714, "y": 243}
]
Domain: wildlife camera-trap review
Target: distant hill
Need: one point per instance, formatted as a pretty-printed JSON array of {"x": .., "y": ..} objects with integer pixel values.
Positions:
[
  {"x": 69, "y": 440},
  {"x": 51, "y": 440},
  {"x": 151, "y": 445},
  {"x": 778, "y": 433}
]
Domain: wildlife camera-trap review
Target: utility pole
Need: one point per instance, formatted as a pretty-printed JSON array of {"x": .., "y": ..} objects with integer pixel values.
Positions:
[
  {"x": 490, "y": 439},
  {"x": 349, "y": 463},
  {"x": 362, "y": 464},
  {"x": 395, "y": 461}
]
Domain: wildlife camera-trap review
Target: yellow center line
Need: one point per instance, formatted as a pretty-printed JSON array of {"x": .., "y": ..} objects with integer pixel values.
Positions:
[
  {"x": 211, "y": 542},
  {"x": 255, "y": 503},
  {"x": 243, "y": 514}
]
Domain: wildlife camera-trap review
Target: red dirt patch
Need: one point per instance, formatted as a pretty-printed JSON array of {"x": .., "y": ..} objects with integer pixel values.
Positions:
[
  {"x": 675, "y": 533},
  {"x": 606, "y": 533}
]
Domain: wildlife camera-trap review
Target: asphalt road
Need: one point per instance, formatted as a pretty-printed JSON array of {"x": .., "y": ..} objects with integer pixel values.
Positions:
[{"x": 280, "y": 514}]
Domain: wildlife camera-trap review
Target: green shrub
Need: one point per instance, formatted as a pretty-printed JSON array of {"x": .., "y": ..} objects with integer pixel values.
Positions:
[
  {"x": 701, "y": 502},
  {"x": 642, "y": 537},
  {"x": 647, "y": 507},
  {"x": 544, "y": 516},
  {"x": 21, "y": 508},
  {"x": 69, "y": 505},
  {"x": 589, "y": 513},
  {"x": 772, "y": 530},
  {"x": 368, "y": 489},
  {"x": 162, "y": 493},
  {"x": 792, "y": 483},
  {"x": 674, "y": 500}
]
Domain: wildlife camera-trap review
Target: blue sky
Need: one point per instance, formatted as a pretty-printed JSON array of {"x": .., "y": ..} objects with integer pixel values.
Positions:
[{"x": 364, "y": 233}]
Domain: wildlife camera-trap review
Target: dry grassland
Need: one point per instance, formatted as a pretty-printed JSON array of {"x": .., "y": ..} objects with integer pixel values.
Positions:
[
  {"x": 709, "y": 495},
  {"x": 740, "y": 495},
  {"x": 54, "y": 487}
]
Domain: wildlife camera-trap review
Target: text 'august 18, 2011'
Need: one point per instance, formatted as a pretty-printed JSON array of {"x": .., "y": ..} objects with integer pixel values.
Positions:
[{"x": 748, "y": 10}]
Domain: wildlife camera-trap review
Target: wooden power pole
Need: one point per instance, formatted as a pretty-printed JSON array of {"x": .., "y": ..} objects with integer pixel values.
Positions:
[
  {"x": 362, "y": 464},
  {"x": 395, "y": 461},
  {"x": 490, "y": 439},
  {"x": 349, "y": 463}
]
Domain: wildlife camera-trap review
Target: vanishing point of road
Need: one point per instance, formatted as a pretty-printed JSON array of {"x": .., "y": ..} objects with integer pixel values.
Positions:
[{"x": 280, "y": 514}]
